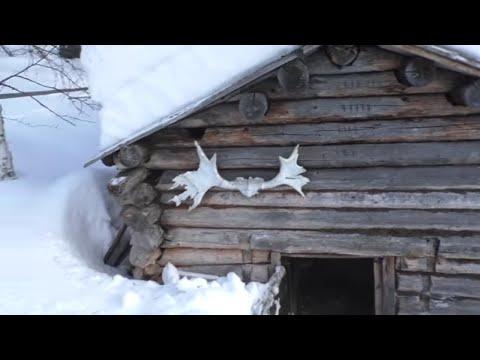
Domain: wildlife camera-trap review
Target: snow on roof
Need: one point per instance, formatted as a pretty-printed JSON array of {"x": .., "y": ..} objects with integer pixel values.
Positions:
[{"x": 143, "y": 88}]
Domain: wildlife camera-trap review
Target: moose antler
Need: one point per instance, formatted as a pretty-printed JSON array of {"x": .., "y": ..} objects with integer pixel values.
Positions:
[{"x": 198, "y": 182}]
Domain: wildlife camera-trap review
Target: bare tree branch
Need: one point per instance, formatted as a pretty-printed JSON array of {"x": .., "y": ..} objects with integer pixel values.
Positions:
[{"x": 42, "y": 93}]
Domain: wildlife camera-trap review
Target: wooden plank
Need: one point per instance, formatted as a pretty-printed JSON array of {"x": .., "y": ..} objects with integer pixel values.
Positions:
[
  {"x": 459, "y": 247},
  {"x": 447, "y": 58},
  {"x": 378, "y": 281},
  {"x": 455, "y": 307},
  {"x": 329, "y": 156},
  {"x": 358, "y": 84},
  {"x": 318, "y": 219},
  {"x": 308, "y": 242},
  {"x": 385, "y": 178},
  {"x": 410, "y": 283},
  {"x": 441, "y": 286},
  {"x": 332, "y": 109},
  {"x": 412, "y": 305},
  {"x": 247, "y": 272},
  {"x": 370, "y": 58},
  {"x": 388, "y": 286},
  {"x": 442, "y": 266},
  {"x": 455, "y": 286},
  {"x": 188, "y": 256},
  {"x": 350, "y": 199},
  {"x": 375, "y": 131}
]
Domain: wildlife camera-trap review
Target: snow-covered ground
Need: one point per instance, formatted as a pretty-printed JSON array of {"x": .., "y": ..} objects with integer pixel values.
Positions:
[{"x": 56, "y": 224}]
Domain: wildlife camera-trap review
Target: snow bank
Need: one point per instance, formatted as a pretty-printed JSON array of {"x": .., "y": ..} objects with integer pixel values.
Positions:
[
  {"x": 140, "y": 85},
  {"x": 57, "y": 220}
]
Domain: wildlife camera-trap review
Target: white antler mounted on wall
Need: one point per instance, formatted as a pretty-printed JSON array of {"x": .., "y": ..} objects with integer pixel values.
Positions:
[{"x": 197, "y": 183}]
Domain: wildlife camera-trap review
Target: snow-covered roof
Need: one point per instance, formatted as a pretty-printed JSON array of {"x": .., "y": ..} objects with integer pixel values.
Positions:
[{"x": 144, "y": 88}]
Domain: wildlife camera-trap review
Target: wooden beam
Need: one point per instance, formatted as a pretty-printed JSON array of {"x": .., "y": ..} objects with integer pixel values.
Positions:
[
  {"x": 293, "y": 75},
  {"x": 333, "y": 110},
  {"x": 320, "y": 242},
  {"x": 133, "y": 155},
  {"x": 253, "y": 106},
  {"x": 330, "y": 156},
  {"x": 373, "y": 131},
  {"x": 126, "y": 180},
  {"x": 357, "y": 84},
  {"x": 342, "y": 55},
  {"x": 446, "y": 58},
  {"x": 442, "y": 266},
  {"x": 337, "y": 199},
  {"x": 188, "y": 257},
  {"x": 318, "y": 219},
  {"x": 370, "y": 59},
  {"x": 360, "y": 179},
  {"x": 467, "y": 95},
  {"x": 388, "y": 286}
]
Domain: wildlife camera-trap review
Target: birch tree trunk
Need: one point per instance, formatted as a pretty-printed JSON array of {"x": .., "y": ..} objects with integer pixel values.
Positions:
[{"x": 6, "y": 164}]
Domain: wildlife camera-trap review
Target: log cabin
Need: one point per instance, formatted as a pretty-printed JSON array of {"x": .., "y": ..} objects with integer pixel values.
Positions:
[{"x": 372, "y": 208}]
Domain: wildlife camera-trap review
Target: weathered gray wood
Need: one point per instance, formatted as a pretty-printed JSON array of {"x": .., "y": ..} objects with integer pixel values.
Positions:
[
  {"x": 141, "y": 196},
  {"x": 333, "y": 109},
  {"x": 317, "y": 219},
  {"x": 442, "y": 266},
  {"x": 247, "y": 272},
  {"x": 133, "y": 155},
  {"x": 330, "y": 156},
  {"x": 443, "y": 57},
  {"x": 359, "y": 84},
  {"x": 342, "y": 55},
  {"x": 375, "y": 131},
  {"x": 410, "y": 283},
  {"x": 293, "y": 75},
  {"x": 150, "y": 237},
  {"x": 140, "y": 218},
  {"x": 417, "y": 72},
  {"x": 141, "y": 257},
  {"x": 126, "y": 180},
  {"x": 378, "y": 283},
  {"x": 467, "y": 95},
  {"x": 388, "y": 286},
  {"x": 455, "y": 286},
  {"x": 441, "y": 286},
  {"x": 253, "y": 105},
  {"x": 187, "y": 257},
  {"x": 320, "y": 242},
  {"x": 411, "y": 305},
  {"x": 376, "y": 200},
  {"x": 370, "y": 58},
  {"x": 455, "y": 307},
  {"x": 360, "y": 179}
]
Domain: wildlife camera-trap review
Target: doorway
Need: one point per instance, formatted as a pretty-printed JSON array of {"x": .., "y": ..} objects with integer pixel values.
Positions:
[{"x": 328, "y": 286}]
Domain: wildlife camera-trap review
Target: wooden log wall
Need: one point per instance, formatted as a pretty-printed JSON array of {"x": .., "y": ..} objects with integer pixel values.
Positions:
[{"x": 394, "y": 168}]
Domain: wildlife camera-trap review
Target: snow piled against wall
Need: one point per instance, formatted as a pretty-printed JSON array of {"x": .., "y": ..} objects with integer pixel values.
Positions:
[{"x": 139, "y": 85}]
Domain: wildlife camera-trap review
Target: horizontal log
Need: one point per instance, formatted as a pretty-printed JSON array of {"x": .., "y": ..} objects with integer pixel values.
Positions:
[
  {"x": 370, "y": 58},
  {"x": 376, "y": 131},
  {"x": 150, "y": 237},
  {"x": 132, "y": 156},
  {"x": 359, "y": 84},
  {"x": 318, "y": 219},
  {"x": 442, "y": 266},
  {"x": 126, "y": 180},
  {"x": 299, "y": 242},
  {"x": 412, "y": 305},
  {"x": 140, "y": 218},
  {"x": 142, "y": 195},
  {"x": 377, "y": 200},
  {"x": 187, "y": 257},
  {"x": 385, "y": 178},
  {"x": 246, "y": 272},
  {"x": 141, "y": 257},
  {"x": 332, "y": 109},
  {"x": 440, "y": 286},
  {"x": 330, "y": 156}
]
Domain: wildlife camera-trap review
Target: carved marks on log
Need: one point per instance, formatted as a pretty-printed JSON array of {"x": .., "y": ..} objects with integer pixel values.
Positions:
[{"x": 334, "y": 109}]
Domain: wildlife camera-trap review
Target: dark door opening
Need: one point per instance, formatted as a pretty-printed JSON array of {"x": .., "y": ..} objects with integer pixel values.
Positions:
[{"x": 328, "y": 286}]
